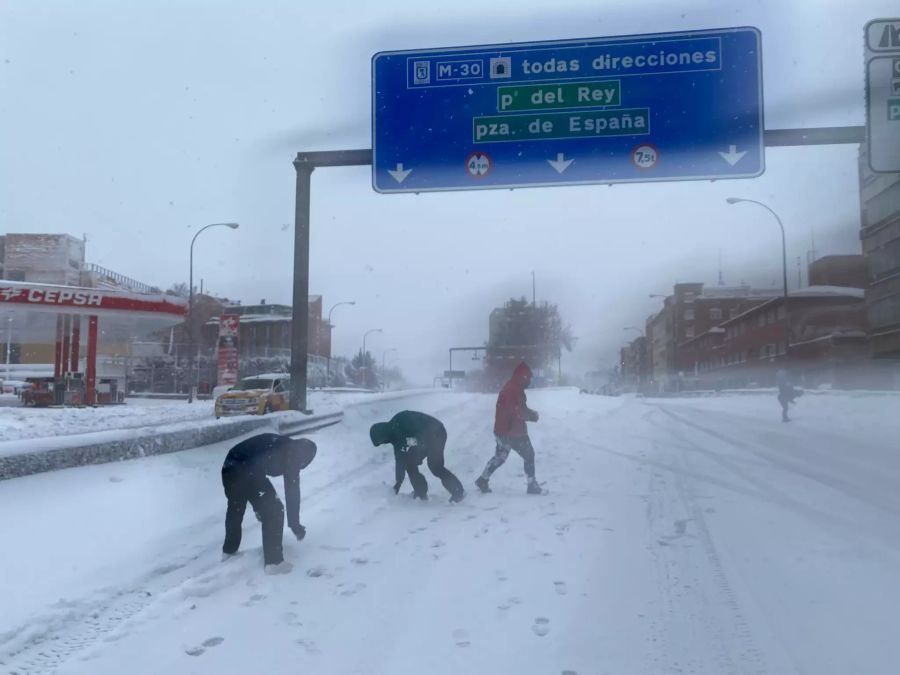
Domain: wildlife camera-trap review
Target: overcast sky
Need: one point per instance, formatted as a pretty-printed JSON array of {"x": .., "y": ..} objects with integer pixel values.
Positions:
[{"x": 136, "y": 123}]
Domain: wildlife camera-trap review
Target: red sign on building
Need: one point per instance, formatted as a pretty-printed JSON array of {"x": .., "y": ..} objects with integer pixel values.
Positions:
[{"x": 228, "y": 348}]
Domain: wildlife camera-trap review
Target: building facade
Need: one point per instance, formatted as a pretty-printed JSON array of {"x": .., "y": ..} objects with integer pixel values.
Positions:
[
  {"x": 821, "y": 336},
  {"x": 691, "y": 310},
  {"x": 42, "y": 258},
  {"x": 880, "y": 235},
  {"x": 265, "y": 330}
]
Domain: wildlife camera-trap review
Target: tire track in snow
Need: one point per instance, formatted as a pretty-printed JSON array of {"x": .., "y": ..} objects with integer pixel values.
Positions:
[
  {"x": 724, "y": 624},
  {"x": 833, "y": 522}
]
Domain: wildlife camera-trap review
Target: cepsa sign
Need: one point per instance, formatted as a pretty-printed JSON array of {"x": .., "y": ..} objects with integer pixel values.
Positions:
[
  {"x": 89, "y": 299},
  {"x": 48, "y": 296}
]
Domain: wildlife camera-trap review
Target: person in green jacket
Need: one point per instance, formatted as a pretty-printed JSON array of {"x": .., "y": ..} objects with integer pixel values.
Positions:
[{"x": 417, "y": 437}]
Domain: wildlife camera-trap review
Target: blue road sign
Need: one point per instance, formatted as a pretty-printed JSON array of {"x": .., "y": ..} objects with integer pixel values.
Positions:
[{"x": 669, "y": 106}]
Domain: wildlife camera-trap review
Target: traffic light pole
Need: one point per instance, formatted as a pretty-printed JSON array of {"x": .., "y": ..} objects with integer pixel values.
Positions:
[{"x": 304, "y": 164}]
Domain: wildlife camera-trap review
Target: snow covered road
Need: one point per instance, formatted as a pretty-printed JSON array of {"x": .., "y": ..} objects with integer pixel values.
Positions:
[{"x": 692, "y": 536}]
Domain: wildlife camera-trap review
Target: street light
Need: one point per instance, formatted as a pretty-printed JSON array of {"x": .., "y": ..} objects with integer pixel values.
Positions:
[
  {"x": 363, "y": 355},
  {"x": 634, "y": 328},
  {"x": 787, "y": 325},
  {"x": 383, "y": 360},
  {"x": 233, "y": 226},
  {"x": 328, "y": 362}
]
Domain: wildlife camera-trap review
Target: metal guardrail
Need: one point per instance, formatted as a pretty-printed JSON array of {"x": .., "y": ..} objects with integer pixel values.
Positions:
[{"x": 158, "y": 443}]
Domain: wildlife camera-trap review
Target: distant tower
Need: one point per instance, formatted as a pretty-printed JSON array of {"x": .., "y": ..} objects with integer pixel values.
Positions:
[{"x": 721, "y": 278}]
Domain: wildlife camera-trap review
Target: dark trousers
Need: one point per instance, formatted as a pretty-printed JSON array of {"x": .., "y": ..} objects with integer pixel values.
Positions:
[
  {"x": 784, "y": 400},
  {"x": 241, "y": 488},
  {"x": 431, "y": 448},
  {"x": 520, "y": 444}
]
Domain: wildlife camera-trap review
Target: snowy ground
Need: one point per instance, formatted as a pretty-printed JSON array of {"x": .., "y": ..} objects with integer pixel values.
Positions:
[{"x": 679, "y": 536}]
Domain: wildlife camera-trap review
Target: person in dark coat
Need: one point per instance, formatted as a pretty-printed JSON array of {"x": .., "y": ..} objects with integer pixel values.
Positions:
[
  {"x": 786, "y": 392},
  {"x": 245, "y": 479},
  {"x": 417, "y": 437},
  {"x": 510, "y": 430}
]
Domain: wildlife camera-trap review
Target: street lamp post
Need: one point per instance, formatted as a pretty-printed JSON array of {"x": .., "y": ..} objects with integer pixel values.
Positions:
[
  {"x": 383, "y": 365},
  {"x": 363, "y": 355},
  {"x": 787, "y": 324},
  {"x": 9, "y": 321},
  {"x": 191, "y": 347},
  {"x": 328, "y": 362}
]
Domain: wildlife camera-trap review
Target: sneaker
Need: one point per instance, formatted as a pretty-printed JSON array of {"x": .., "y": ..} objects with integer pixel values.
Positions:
[
  {"x": 534, "y": 488},
  {"x": 482, "y": 484},
  {"x": 284, "y": 567},
  {"x": 458, "y": 497}
]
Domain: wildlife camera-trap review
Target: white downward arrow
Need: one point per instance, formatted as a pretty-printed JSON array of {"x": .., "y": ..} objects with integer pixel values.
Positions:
[
  {"x": 560, "y": 163},
  {"x": 399, "y": 174},
  {"x": 732, "y": 156}
]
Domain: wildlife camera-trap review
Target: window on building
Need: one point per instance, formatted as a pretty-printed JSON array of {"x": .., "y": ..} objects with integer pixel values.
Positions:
[
  {"x": 781, "y": 313},
  {"x": 761, "y": 321},
  {"x": 689, "y": 315},
  {"x": 733, "y": 312},
  {"x": 689, "y": 331},
  {"x": 770, "y": 316},
  {"x": 689, "y": 296},
  {"x": 715, "y": 314}
]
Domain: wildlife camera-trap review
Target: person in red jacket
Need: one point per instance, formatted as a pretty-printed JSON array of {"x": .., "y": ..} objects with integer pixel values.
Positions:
[{"x": 511, "y": 431}]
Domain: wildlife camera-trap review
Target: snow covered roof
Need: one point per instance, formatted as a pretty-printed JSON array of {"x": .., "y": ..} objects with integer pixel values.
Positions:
[
  {"x": 722, "y": 292},
  {"x": 254, "y": 318},
  {"x": 808, "y": 292},
  {"x": 267, "y": 376},
  {"x": 828, "y": 291},
  {"x": 838, "y": 334}
]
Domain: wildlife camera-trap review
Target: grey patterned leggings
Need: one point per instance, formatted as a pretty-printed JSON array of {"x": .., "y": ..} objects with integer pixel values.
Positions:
[{"x": 521, "y": 444}]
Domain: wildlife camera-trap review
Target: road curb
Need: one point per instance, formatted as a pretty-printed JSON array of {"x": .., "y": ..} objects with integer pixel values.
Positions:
[{"x": 159, "y": 442}]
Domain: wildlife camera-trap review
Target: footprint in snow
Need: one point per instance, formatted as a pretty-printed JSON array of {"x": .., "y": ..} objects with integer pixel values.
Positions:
[
  {"x": 561, "y": 588},
  {"x": 310, "y": 646},
  {"x": 318, "y": 571},
  {"x": 509, "y": 604},
  {"x": 206, "y": 644},
  {"x": 291, "y": 619},
  {"x": 461, "y": 636},
  {"x": 360, "y": 561},
  {"x": 351, "y": 590},
  {"x": 541, "y": 626},
  {"x": 255, "y": 598}
]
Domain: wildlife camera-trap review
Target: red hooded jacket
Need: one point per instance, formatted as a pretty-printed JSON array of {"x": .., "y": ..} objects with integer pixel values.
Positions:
[{"x": 512, "y": 411}]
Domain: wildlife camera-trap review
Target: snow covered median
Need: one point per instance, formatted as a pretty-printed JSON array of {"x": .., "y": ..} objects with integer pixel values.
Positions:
[{"x": 35, "y": 440}]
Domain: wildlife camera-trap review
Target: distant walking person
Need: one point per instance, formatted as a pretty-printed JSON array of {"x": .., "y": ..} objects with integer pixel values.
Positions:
[
  {"x": 510, "y": 429},
  {"x": 244, "y": 477},
  {"x": 417, "y": 437},
  {"x": 786, "y": 392}
]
